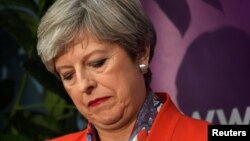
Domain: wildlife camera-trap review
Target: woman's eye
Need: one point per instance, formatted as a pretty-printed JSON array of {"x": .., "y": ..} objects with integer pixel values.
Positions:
[
  {"x": 67, "y": 77},
  {"x": 99, "y": 63}
]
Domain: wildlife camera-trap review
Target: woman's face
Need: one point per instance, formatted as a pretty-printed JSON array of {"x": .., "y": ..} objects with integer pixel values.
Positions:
[{"x": 104, "y": 84}]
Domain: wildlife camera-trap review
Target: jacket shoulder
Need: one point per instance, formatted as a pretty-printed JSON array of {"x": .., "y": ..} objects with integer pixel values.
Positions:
[
  {"x": 171, "y": 124},
  {"x": 188, "y": 128},
  {"x": 77, "y": 136}
]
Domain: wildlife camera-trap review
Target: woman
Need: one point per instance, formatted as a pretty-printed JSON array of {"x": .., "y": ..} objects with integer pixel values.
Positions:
[{"x": 101, "y": 50}]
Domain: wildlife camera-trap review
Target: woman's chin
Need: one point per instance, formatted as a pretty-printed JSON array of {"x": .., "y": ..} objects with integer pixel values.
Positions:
[{"x": 108, "y": 121}]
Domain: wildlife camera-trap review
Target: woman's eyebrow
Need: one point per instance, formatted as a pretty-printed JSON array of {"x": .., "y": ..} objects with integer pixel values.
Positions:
[
  {"x": 83, "y": 58},
  {"x": 62, "y": 67},
  {"x": 91, "y": 53}
]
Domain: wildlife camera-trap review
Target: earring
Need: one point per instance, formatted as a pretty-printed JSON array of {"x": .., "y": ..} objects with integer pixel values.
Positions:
[{"x": 143, "y": 68}]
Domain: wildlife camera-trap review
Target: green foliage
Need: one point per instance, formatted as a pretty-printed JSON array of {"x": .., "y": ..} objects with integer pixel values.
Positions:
[
  {"x": 13, "y": 138},
  {"x": 54, "y": 114}
]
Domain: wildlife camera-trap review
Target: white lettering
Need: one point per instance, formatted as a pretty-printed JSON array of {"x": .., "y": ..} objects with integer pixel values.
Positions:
[
  {"x": 196, "y": 115},
  {"x": 215, "y": 132},
  {"x": 244, "y": 133},
  {"x": 247, "y": 116},
  {"x": 234, "y": 119},
  {"x": 210, "y": 116},
  {"x": 221, "y": 117}
]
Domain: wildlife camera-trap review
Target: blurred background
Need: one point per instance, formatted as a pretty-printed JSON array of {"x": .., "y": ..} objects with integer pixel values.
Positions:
[
  {"x": 33, "y": 103},
  {"x": 202, "y": 57},
  {"x": 202, "y": 60}
]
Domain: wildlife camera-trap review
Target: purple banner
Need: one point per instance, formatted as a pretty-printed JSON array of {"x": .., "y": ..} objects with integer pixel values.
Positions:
[{"x": 202, "y": 57}]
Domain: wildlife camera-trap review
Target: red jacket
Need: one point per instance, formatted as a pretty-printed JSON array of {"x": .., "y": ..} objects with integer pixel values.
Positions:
[{"x": 169, "y": 125}]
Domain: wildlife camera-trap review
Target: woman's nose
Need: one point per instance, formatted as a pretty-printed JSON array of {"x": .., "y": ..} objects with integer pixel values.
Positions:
[{"x": 86, "y": 83}]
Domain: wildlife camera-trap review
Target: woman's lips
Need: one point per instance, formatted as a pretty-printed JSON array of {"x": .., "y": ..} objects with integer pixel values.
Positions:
[{"x": 98, "y": 101}]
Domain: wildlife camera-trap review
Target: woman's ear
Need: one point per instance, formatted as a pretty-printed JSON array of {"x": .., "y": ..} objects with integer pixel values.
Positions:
[{"x": 143, "y": 56}]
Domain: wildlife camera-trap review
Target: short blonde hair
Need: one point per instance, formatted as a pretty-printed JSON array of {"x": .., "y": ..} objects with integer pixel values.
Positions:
[{"x": 117, "y": 21}]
